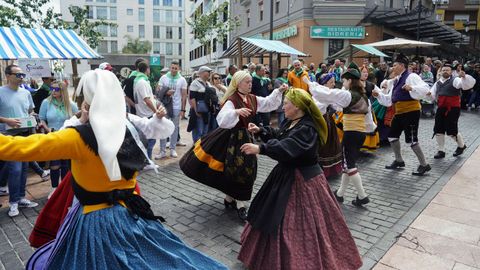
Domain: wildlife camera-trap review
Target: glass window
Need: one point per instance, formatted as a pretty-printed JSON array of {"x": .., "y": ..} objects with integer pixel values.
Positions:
[
  {"x": 129, "y": 28},
  {"x": 141, "y": 31},
  {"x": 248, "y": 17},
  {"x": 113, "y": 46},
  {"x": 113, "y": 31},
  {"x": 113, "y": 1},
  {"x": 156, "y": 31},
  {"x": 277, "y": 6},
  {"x": 156, "y": 47},
  {"x": 103, "y": 29},
  {"x": 90, "y": 12},
  {"x": 168, "y": 16},
  {"x": 180, "y": 16},
  {"x": 102, "y": 13},
  {"x": 88, "y": 0},
  {"x": 214, "y": 45},
  {"x": 156, "y": 2},
  {"x": 113, "y": 13},
  {"x": 334, "y": 46},
  {"x": 102, "y": 47},
  {"x": 156, "y": 15},
  {"x": 167, "y": 3},
  {"x": 260, "y": 7},
  {"x": 141, "y": 14},
  {"x": 168, "y": 49},
  {"x": 129, "y": 11},
  {"x": 168, "y": 62},
  {"x": 169, "y": 32},
  {"x": 180, "y": 3},
  {"x": 180, "y": 47},
  {"x": 101, "y": 1},
  {"x": 180, "y": 33},
  {"x": 141, "y": 2}
]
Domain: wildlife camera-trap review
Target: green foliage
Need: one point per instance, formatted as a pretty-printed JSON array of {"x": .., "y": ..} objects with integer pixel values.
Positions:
[
  {"x": 137, "y": 46},
  {"x": 28, "y": 14},
  {"x": 212, "y": 24},
  {"x": 85, "y": 27}
]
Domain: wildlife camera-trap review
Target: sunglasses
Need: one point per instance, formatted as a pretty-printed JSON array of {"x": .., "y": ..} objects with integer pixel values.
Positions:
[
  {"x": 216, "y": 78},
  {"x": 19, "y": 75},
  {"x": 55, "y": 89}
]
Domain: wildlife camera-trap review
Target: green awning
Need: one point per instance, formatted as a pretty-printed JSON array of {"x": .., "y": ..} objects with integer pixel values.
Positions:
[{"x": 369, "y": 49}]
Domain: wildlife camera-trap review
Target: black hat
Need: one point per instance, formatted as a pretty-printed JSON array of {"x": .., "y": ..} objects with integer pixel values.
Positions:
[
  {"x": 448, "y": 65},
  {"x": 401, "y": 58},
  {"x": 352, "y": 72}
]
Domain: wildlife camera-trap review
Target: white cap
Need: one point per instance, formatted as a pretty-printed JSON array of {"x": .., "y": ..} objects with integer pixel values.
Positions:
[{"x": 204, "y": 68}]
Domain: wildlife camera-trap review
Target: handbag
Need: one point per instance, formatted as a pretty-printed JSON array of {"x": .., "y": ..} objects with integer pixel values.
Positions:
[{"x": 202, "y": 106}]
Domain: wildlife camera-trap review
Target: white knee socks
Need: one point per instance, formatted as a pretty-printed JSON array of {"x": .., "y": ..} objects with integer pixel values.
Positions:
[
  {"x": 357, "y": 182},
  {"x": 459, "y": 140},
  {"x": 343, "y": 185},
  {"x": 440, "y": 142}
]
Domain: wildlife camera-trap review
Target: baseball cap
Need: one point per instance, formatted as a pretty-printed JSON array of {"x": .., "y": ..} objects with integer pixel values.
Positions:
[{"x": 204, "y": 68}]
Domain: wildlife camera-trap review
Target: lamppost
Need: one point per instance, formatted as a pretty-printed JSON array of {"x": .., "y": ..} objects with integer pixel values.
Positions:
[{"x": 271, "y": 38}]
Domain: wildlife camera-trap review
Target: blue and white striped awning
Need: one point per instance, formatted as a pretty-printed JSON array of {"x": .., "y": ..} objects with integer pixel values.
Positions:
[
  {"x": 257, "y": 47},
  {"x": 24, "y": 43}
]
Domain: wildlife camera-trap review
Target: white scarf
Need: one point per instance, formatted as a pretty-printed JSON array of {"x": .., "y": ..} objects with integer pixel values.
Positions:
[{"x": 104, "y": 94}]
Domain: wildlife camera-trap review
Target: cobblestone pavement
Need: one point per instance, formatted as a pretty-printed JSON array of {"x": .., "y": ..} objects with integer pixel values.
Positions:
[{"x": 196, "y": 212}]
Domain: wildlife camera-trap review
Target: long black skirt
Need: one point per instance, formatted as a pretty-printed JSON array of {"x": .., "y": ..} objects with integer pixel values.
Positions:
[{"x": 216, "y": 161}]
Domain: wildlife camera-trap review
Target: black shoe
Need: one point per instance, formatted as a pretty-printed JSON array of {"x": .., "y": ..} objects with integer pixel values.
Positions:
[
  {"x": 242, "y": 213},
  {"x": 339, "y": 199},
  {"x": 439, "y": 155},
  {"x": 359, "y": 203},
  {"x": 395, "y": 165},
  {"x": 459, "y": 151},
  {"x": 421, "y": 170},
  {"x": 232, "y": 204}
]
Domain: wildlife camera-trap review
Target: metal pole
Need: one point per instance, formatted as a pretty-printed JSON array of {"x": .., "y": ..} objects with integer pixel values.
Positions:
[
  {"x": 418, "y": 23},
  {"x": 271, "y": 38}
]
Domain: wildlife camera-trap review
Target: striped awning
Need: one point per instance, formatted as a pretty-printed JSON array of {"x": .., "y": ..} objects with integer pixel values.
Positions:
[
  {"x": 24, "y": 43},
  {"x": 256, "y": 47},
  {"x": 369, "y": 49}
]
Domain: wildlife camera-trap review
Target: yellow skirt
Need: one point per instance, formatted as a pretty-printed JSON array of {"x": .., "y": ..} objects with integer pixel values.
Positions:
[{"x": 372, "y": 140}]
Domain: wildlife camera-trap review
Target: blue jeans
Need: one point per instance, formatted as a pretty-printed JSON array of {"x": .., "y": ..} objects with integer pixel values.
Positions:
[
  {"x": 151, "y": 144},
  {"x": 174, "y": 137},
  {"x": 201, "y": 128},
  {"x": 36, "y": 168},
  {"x": 17, "y": 178}
]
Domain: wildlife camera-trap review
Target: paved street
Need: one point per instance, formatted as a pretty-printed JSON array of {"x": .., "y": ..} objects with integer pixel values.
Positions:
[{"x": 196, "y": 212}]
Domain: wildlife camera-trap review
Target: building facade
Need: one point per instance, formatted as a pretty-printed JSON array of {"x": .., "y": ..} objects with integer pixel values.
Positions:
[
  {"x": 162, "y": 22},
  {"x": 200, "y": 55}
]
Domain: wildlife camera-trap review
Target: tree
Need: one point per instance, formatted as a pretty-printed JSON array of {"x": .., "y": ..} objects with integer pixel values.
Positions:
[
  {"x": 29, "y": 14},
  {"x": 137, "y": 46},
  {"x": 214, "y": 24}
]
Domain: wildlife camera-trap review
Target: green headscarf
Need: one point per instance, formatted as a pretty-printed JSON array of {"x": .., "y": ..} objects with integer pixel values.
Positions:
[{"x": 302, "y": 100}]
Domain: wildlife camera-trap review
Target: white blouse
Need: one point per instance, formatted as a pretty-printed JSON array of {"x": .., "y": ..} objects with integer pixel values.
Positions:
[
  {"x": 466, "y": 83},
  {"x": 419, "y": 89}
]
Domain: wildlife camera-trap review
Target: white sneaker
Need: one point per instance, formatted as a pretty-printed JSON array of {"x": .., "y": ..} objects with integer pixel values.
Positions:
[
  {"x": 51, "y": 193},
  {"x": 27, "y": 203},
  {"x": 3, "y": 191},
  {"x": 181, "y": 144},
  {"x": 173, "y": 154},
  {"x": 45, "y": 175},
  {"x": 161, "y": 156},
  {"x": 150, "y": 167},
  {"x": 13, "y": 212}
]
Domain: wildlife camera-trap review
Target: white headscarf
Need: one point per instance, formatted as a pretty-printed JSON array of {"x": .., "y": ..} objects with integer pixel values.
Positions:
[{"x": 103, "y": 92}]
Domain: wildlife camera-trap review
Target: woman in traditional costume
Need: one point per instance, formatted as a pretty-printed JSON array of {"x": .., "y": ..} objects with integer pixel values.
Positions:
[
  {"x": 357, "y": 120},
  {"x": 216, "y": 160},
  {"x": 330, "y": 155},
  {"x": 372, "y": 138},
  {"x": 111, "y": 227},
  {"x": 294, "y": 221}
]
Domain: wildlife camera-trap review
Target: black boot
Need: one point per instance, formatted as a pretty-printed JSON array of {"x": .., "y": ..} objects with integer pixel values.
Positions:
[
  {"x": 421, "y": 170},
  {"x": 439, "y": 155},
  {"x": 242, "y": 213},
  {"x": 359, "y": 203},
  {"x": 395, "y": 165},
  {"x": 339, "y": 199},
  {"x": 232, "y": 204},
  {"x": 459, "y": 151}
]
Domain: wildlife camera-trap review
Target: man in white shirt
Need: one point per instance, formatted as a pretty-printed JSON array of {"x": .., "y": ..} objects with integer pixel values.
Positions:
[
  {"x": 146, "y": 103},
  {"x": 173, "y": 88}
]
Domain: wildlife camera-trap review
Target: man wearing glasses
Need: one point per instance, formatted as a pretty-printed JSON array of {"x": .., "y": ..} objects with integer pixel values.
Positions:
[{"x": 15, "y": 103}]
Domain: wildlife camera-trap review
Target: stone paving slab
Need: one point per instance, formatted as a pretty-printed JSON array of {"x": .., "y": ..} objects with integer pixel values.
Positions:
[{"x": 196, "y": 212}]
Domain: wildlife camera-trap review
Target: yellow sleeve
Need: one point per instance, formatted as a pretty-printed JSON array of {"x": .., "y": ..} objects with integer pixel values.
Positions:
[{"x": 64, "y": 144}]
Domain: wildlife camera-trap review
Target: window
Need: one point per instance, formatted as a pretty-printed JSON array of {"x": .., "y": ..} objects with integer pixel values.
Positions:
[
  {"x": 156, "y": 31},
  {"x": 141, "y": 14},
  {"x": 260, "y": 7},
  {"x": 180, "y": 17},
  {"x": 180, "y": 3},
  {"x": 248, "y": 17},
  {"x": 88, "y": 0},
  {"x": 168, "y": 49},
  {"x": 102, "y": 13},
  {"x": 129, "y": 11},
  {"x": 113, "y": 47},
  {"x": 461, "y": 17},
  {"x": 113, "y": 13},
  {"x": 103, "y": 29},
  {"x": 130, "y": 28},
  {"x": 156, "y": 2},
  {"x": 277, "y": 6},
  {"x": 180, "y": 62},
  {"x": 225, "y": 44},
  {"x": 156, "y": 15},
  {"x": 167, "y": 3},
  {"x": 168, "y": 62},
  {"x": 168, "y": 16},
  {"x": 156, "y": 47},
  {"x": 141, "y": 2},
  {"x": 225, "y": 14},
  {"x": 113, "y": 1},
  {"x": 334, "y": 46},
  {"x": 102, "y": 47},
  {"x": 141, "y": 31},
  {"x": 169, "y": 32},
  {"x": 90, "y": 12},
  {"x": 113, "y": 31},
  {"x": 180, "y": 51},
  {"x": 101, "y": 1},
  {"x": 180, "y": 33},
  {"x": 214, "y": 45}
]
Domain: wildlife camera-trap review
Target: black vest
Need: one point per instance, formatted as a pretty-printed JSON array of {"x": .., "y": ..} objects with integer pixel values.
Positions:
[
  {"x": 446, "y": 89},
  {"x": 358, "y": 105}
]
